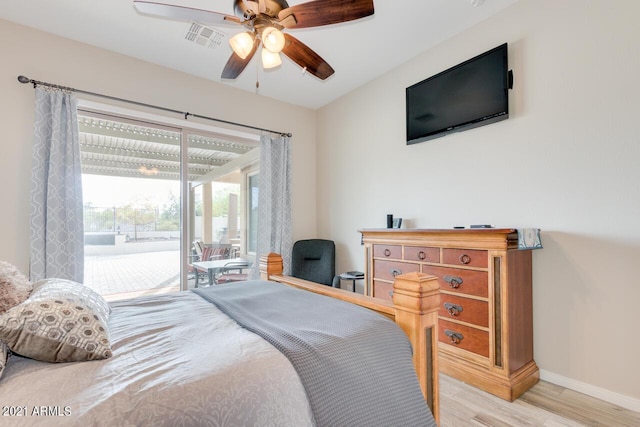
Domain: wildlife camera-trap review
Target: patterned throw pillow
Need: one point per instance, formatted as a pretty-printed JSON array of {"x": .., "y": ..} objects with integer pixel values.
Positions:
[
  {"x": 62, "y": 321},
  {"x": 14, "y": 286}
]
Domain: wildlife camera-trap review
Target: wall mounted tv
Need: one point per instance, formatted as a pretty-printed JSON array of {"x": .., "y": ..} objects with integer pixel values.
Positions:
[{"x": 471, "y": 94}]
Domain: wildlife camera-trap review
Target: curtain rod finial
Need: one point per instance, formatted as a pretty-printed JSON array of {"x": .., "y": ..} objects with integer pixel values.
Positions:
[{"x": 23, "y": 79}]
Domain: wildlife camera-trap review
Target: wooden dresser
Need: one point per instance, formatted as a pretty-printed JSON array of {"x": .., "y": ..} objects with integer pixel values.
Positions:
[{"x": 485, "y": 317}]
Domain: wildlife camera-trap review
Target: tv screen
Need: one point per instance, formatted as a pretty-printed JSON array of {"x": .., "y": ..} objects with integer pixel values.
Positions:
[{"x": 468, "y": 95}]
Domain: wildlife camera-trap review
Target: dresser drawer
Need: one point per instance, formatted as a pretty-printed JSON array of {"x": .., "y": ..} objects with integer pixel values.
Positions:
[
  {"x": 387, "y": 251},
  {"x": 466, "y": 257},
  {"x": 464, "y": 337},
  {"x": 421, "y": 253},
  {"x": 388, "y": 270},
  {"x": 382, "y": 290},
  {"x": 464, "y": 309},
  {"x": 458, "y": 280}
]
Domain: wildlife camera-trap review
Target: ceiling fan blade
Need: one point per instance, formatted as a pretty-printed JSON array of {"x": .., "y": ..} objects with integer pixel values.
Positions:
[
  {"x": 236, "y": 65},
  {"x": 180, "y": 13},
  {"x": 324, "y": 12},
  {"x": 306, "y": 58}
]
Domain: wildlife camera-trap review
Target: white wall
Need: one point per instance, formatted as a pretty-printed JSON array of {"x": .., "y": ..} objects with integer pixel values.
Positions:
[
  {"x": 565, "y": 161},
  {"x": 53, "y": 59}
]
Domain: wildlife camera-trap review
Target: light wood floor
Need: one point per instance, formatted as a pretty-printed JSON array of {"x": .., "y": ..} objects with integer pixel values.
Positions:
[{"x": 545, "y": 404}]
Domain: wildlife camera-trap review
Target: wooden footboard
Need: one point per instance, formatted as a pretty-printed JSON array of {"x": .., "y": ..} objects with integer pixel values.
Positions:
[{"x": 415, "y": 309}]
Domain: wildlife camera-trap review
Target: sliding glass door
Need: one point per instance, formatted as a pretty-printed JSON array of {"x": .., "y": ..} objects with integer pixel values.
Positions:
[{"x": 150, "y": 191}]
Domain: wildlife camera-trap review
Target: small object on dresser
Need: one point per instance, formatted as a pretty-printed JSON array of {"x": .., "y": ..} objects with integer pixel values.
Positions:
[
  {"x": 480, "y": 226},
  {"x": 397, "y": 222},
  {"x": 458, "y": 227},
  {"x": 389, "y": 220}
]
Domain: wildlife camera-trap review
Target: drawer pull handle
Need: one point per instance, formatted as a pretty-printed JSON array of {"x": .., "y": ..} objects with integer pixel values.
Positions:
[
  {"x": 453, "y": 309},
  {"x": 387, "y": 252},
  {"x": 465, "y": 259},
  {"x": 454, "y": 337},
  {"x": 453, "y": 281},
  {"x": 421, "y": 255},
  {"x": 395, "y": 272}
]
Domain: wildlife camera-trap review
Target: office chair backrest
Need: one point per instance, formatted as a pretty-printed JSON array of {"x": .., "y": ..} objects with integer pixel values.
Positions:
[{"x": 314, "y": 260}]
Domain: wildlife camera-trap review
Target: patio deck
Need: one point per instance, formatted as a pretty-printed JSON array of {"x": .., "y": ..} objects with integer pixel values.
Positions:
[{"x": 130, "y": 275}]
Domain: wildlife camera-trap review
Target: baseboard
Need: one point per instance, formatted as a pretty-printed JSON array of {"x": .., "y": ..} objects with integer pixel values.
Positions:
[{"x": 591, "y": 390}]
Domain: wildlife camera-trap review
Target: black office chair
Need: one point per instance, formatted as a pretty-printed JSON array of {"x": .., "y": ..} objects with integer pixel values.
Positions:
[{"x": 315, "y": 260}]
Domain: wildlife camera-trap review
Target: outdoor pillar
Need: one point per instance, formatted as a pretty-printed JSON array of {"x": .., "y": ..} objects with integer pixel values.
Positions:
[{"x": 207, "y": 213}]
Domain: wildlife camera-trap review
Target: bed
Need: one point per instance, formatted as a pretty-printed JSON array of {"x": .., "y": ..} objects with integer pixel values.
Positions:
[{"x": 227, "y": 356}]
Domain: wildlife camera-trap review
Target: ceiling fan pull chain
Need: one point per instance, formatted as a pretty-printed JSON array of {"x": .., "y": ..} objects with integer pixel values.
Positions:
[{"x": 257, "y": 79}]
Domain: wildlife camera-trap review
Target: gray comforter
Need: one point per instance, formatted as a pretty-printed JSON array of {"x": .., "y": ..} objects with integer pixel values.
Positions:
[{"x": 355, "y": 365}]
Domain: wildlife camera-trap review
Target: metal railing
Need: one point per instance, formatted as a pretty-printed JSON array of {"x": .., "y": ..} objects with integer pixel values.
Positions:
[{"x": 129, "y": 220}]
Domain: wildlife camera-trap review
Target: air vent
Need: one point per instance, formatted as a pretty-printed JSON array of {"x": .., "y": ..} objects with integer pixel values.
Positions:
[{"x": 205, "y": 36}]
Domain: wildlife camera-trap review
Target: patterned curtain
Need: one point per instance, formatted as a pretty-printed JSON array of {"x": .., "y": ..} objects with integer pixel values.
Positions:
[
  {"x": 274, "y": 199},
  {"x": 57, "y": 235}
]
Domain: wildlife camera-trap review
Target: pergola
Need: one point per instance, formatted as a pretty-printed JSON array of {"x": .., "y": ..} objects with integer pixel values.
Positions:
[
  {"x": 122, "y": 148},
  {"x": 119, "y": 148}
]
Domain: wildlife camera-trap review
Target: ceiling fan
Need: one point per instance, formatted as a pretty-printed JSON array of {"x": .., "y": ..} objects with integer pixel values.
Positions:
[{"x": 264, "y": 21}]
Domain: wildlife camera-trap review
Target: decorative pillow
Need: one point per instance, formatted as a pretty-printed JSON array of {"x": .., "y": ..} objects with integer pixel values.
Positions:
[
  {"x": 14, "y": 286},
  {"x": 4, "y": 356},
  {"x": 62, "y": 321}
]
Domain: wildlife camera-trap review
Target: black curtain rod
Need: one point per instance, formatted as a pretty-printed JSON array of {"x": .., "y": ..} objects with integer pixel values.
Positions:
[{"x": 23, "y": 79}]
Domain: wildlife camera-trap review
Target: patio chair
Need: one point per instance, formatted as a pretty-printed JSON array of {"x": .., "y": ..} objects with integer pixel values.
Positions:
[
  {"x": 200, "y": 252},
  {"x": 198, "y": 248},
  {"x": 195, "y": 255},
  {"x": 232, "y": 272},
  {"x": 220, "y": 252}
]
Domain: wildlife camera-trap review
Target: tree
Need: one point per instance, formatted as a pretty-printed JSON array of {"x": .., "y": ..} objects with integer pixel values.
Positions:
[
  {"x": 170, "y": 217},
  {"x": 220, "y": 198}
]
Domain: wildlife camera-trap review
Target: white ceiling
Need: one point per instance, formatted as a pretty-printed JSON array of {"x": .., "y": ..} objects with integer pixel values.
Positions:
[{"x": 359, "y": 51}]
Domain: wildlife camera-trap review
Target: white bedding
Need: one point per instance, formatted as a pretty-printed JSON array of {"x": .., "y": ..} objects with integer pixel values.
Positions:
[{"x": 177, "y": 360}]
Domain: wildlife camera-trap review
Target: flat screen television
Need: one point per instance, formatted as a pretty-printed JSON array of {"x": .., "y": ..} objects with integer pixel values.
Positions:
[{"x": 471, "y": 94}]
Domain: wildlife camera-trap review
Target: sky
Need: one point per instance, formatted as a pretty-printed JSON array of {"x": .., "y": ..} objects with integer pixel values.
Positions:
[{"x": 107, "y": 191}]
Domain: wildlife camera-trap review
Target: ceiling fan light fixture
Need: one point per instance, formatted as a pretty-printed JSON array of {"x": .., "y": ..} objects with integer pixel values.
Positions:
[
  {"x": 273, "y": 39},
  {"x": 270, "y": 59},
  {"x": 242, "y": 44}
]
